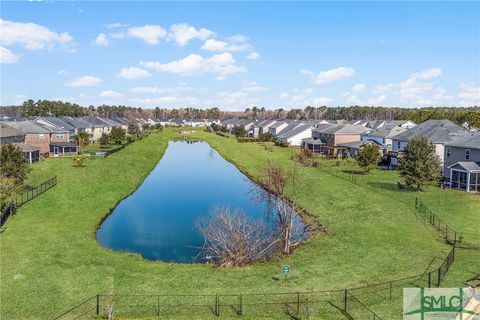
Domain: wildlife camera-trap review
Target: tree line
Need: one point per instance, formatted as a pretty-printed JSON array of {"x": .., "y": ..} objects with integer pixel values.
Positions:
[{"x": 470, "y": 115}]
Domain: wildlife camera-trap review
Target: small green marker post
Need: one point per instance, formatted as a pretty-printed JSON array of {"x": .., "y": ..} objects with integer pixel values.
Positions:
[{"x": 286, "y": 270}]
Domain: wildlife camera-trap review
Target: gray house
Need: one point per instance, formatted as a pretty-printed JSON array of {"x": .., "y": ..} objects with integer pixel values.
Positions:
[{"x": 462, "y": 163}]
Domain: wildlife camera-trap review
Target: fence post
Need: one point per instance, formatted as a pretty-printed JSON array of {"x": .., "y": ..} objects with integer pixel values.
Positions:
[
  {"x": 391, "y": 290},
  {"x": 345, "y": 300},
  {"x": 430, "y": 279},
  {"x": 240, "y": 303},
  {"x": 158, "y": 307},
  {"x": 98, "y": 304},
  {"x": 298, "y": 303},
  {"x": 439, "y": 276},
  {"x": 217, "y": 305}
]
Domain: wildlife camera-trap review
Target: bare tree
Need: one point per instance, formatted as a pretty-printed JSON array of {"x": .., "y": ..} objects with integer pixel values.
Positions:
[{"x": 232, "y": 238}]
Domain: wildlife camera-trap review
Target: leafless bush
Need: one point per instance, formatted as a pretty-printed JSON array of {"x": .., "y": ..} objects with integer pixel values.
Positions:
[
  {"x": 305, "y": 157},
  {"x": 232, "y": 238}
]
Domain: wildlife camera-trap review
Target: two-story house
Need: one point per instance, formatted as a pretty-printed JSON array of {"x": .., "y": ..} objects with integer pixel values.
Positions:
[
  {"x": 462, "y": 162},
  {"x": 332, "y": 136}
]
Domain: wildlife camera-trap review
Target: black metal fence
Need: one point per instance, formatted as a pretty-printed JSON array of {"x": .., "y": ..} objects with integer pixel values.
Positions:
[
  {"x": 355, "y": 303},
  {"x": 25, "y": 196}
]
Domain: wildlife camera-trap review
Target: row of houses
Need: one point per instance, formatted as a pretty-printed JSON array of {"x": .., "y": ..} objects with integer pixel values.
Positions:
[{"x": 457, "y": 148}]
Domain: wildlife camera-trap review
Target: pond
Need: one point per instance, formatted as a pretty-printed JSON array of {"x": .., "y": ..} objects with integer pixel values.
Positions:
[{"x": 158, "y": 219}]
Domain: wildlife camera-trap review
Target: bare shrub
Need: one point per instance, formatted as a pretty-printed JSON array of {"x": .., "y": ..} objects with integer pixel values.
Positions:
[
  {"x": 232, "y": 238},
  {"x": 305, "y": 157}
]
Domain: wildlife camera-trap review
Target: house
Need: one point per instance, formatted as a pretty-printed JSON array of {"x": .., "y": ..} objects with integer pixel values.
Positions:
[
  {"x": 57, "y": 123},
  {"x": 196, "y": 123},
  {"x": 51, "y": 141},
  {"x": 79, "y": 124},
  {"x": 278, "y": 126},
  {"x": 383, "y": 136},
  {"x": 30, "y": 153},
  {"x": 295, "y": 136},
  {"x": 261, "y": 127},
  {"x": 335, "y": 134},
  {"x": 462, "y": 162},
  {"x": 438, "y": 132},
  {"x": 290, "y": 126},
  {"x": 376, "y": 124},
  {"x": 123, "y": 122},
  {"x": 98, "y": 127},
  {"x": 9, "y": 134},
  {"x": 352, "y": 148},
  {"x": 229, "y": 123}
]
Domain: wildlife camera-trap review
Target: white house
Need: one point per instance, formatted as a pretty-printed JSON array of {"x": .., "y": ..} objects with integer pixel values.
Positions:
[{"x": 294, "y": 137}]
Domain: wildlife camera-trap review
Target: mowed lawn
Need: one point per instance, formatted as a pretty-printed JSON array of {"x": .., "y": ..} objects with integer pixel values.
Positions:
[{"x": 50, "y": 259}]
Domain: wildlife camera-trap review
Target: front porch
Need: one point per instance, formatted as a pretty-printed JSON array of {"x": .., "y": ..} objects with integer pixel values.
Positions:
[
  {"x": 314, "y": 145},
  {"x": 465, "y": 175}
]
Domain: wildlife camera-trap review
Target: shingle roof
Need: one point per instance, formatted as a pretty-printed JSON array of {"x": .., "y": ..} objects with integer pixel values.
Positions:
[
  {"x": 470, "y": 166},
  {"x": 342, "y": 129},
  {"x": 59, "y": 123},
  {"x": 96, "y": 122},
  {"x": 290, "y": 126},
  {"x": 387, "y": 132},
  {"x": 437, "y": 131},
  {"x": 358, "y": 144},
  {"x": 26, "y": 147},
  {"x": 295, "y": 131},
  {"x": 280, "y": 123},
  {"x": 8, "y": 131},
  {"x": 28, "y": 126},
  {"x": 77, "y": 123},
  {"x": 471, "y": 141}
]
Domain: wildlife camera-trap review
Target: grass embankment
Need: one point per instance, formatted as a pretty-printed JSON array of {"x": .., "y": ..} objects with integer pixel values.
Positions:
[{"x": 50, "y": 259}]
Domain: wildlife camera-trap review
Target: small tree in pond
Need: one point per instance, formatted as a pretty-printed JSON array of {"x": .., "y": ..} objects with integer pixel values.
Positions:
[
  {"x": 420, "y": 163},
  {"x": 369, "y": 156},
  {"x": 104, "y": 139},
  {"x": 239, "y": 131},
  {"x": 117, "y": 134}
]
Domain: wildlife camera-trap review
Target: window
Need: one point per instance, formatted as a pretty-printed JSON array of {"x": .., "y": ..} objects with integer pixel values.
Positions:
[
  {"x": 398, "y": 145},
  {"x": 41, "y": 136},
  {"x": 59, "y": 136},
  {"x": 467, "y": 154},
  {"x": 448, "y": 152}
]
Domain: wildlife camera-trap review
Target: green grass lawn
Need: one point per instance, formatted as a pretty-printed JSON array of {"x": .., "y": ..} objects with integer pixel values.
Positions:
[{"x": 50, "y": 259}]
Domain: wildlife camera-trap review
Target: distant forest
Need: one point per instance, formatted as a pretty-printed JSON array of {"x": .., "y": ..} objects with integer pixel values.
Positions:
[{"x": 457, "y": 115}]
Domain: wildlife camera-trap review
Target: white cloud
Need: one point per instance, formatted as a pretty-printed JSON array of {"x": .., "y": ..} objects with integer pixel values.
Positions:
[
  {"x": 253, "y": 56},
  {"x": 332, "y": 75},
  {"x": 236, "y": 98},
  {"x": 377, "y": 101},
  {"x": 111, "y": 94},
  {"x": 115, "y": 25},
  {"x": 171, "y": 101},
  {"x": 164, "y": 90},
  {"x": 182, "y": 33},
  {"x": 85, "y": 81},
  {"x": 469, "y": 94},
  {"x": 306, "y": 72},
  {"x": 7, "y": 56},
  {"x": 101, "y": 40},
  {"x": 359, "y": 87},
  {"x": 63, "y": 73},
  {"x": 322, "y": 101},
  {"x": 421, "y": 93},
  {"x": 223, "y": 46},
  {"x": 252, "y": 86},
  {"x": 382, "y": 88},
  {"x": 33, "y": 36},
  {"x": 222, "y": 64},
  {"x": 151, "y": 34},
  {"x": 133, "y": 73},
  {"x": 428, "y": 73},
  {"x": 284, "y": 95}
]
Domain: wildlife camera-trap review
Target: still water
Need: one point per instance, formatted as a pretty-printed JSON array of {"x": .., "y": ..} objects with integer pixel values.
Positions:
[{"x": 158, "y": 219}]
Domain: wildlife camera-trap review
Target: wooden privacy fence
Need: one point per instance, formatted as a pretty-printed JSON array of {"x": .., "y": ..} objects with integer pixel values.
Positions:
[{"x": 25, "y": 196}]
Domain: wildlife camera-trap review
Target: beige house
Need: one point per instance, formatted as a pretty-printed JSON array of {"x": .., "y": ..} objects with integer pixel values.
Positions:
[{"x": 332, "y": 136}]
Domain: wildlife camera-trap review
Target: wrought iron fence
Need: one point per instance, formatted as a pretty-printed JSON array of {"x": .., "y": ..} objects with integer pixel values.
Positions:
[{"x": 24, "y": 197}]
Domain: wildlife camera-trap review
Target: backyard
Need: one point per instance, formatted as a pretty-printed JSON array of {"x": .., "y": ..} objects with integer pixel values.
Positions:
[{"x": 51, "y": 261}]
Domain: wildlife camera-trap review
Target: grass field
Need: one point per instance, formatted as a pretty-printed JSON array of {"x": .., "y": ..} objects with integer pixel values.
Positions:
[{"x": 51, "y": 261}]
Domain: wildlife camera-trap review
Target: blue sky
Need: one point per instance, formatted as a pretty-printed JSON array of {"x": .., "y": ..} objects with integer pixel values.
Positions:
[{"x": 235, "y": 55}]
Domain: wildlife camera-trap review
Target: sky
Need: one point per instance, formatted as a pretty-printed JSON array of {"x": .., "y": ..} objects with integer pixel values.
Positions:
[{"x": 235, "y": 55}]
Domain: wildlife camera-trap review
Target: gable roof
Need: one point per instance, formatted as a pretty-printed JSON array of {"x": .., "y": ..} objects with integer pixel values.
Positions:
[
  {"x": 359, "y": 144},
  {"x": 77, "y": 123},
  {"x": 386, "y": 132},
  {"x": 471, "y": 141},
  {"x": 437, "y": 131},
  {"x": 58, "y": 123},
  {"x": 8, "y": 131},
  {"x": 469, "y": 166},
  {"x": 280, "y": 123},
  {"x": 342, "y": 129},
  {"x": 295, "y": 131},
  {"x": 28, "y": 126},
  {"x": 290, "y": 126}
]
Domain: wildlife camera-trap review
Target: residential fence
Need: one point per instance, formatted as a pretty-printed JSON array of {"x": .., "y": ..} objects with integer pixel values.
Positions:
[
  {"x": 25, "y": 196},
  {"x": 355, "y": 303}
]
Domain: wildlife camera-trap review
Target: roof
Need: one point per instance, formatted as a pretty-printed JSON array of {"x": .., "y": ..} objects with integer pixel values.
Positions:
[
  {"x": 58, "y": 123},
  {"x": 357, "y": 144},
  {"x": 8, "y": 131},
  {"x": 437, "y": 131},
  {"x": 94, "y": 121},
  {"x": 77, "y": 123},
  {"x": 469, "y": 166},
  {"x": 28, "y": 126},
  {"x": 280, "y": 123},
  {"x": 472, "y": 141},
  {"x": 311, "y": 140},
  {"x": 63, "y": 144},
  {"x": 26, "y": 147},
  {"x": 290, "y": 126},
  {"x": 387, "y": 131},
  {"x": 342, "y": 129},
  {"x": 295, "y": 131}
]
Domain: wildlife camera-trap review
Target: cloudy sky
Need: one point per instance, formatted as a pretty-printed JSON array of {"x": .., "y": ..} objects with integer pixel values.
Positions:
[{"x": 237, "y": 55}]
